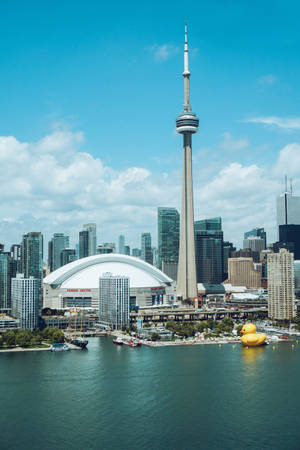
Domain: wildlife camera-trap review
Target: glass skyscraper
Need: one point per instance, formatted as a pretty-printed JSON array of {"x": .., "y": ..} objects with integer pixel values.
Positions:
[
  {"x": 257, "y": 232},
  {"x": 209, "y": 250},
  {"x": 146, "y": 248},
  {"x": 168, "y": 227},
  {"x": 83, "y": 244},
  {"x": 32, "y": 259},
  {"x": 58, "y": 243}
]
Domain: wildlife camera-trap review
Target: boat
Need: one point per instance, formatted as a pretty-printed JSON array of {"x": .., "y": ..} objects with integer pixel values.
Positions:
[
  {"x": 118, "y": 341},
  {"x": 60, "y": 347},
  {"x": 79, "y": 342},
  {"x": 134, "y": 343}
]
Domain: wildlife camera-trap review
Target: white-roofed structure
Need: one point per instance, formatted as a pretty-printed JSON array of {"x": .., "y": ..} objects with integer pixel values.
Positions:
[{"x": 77, "y": 283}]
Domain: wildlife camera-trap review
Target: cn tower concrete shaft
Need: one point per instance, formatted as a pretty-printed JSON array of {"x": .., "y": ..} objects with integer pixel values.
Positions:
[
  {"x": 187, "y": 124},
  {"x": 186, "y": 278}
]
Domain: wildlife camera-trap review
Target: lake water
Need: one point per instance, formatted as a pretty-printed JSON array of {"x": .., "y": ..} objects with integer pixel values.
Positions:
[{"x": 111, "y": 397}]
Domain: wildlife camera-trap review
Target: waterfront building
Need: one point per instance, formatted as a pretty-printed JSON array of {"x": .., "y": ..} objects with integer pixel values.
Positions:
[
  {"x": 168, "y": 228},
  {"x": 290, "y": 234},
  {"x": 58, "y": 242},
  {"x": 77, "y": 283},
  {"x": 8, "y": 270},
  {"x": 242, "y": 272},
  {"x": 67, "y": 255},
  {"x": 257, "y": 232},
  {"x": 255, "y": 243},
  {"x": 122, "y": 244},
  {"x": 281, "y": 285},
  {"x": 114, "y": 291},
  {"x": 146, "y": 248},
  {"x": 32, "y": 258},
  {"x": 91, "y": 228},
  {"x": 187, "y": 124},
  {"x": 228, "y": 248},
  {"x": 83, "y": 244},
  {"x": 25, "y": 301},
  {"x": 297, "y": 276},
  {"x": 209, "y": 250}
]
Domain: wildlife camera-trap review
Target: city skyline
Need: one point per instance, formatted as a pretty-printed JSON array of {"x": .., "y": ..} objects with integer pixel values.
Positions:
[{"x": 61, "y": 169}]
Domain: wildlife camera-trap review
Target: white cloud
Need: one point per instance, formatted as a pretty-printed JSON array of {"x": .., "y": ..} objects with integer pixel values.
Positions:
[
  {"x": 280, "y": 122},
  {"x": 43, "y": 190},
  {"x": 163, "y": 52},
  {"x": 229, "y": 144},
  {"x": 267, "y": 79}
]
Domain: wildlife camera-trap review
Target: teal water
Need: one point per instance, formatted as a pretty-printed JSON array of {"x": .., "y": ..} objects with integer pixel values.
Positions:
[{"x": 110, "y": 397}]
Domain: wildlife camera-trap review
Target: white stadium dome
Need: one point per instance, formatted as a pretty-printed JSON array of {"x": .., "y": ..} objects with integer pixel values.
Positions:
[{"x": 84, "y": 273}]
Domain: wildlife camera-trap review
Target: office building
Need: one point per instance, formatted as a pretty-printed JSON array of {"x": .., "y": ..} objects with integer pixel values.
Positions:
[
  {"x": 83, "y": 244},
  {"x": 246, "y": 253},
  {"x": 228, "y": 248},
  {"x": 32, "y": 259},
  {"x": 67, "y": 255},
  {"x": 297, "y": 276},
  {"x": 255, "y": 243},
  {"x": 107, "y": 247},
  {"x": 242, "y": 272},
  {"x": 25, "y": 301},
  {"x": 281, "y": 285},
  {"x": 136, "y": 252},
  {"x": 257, "y": 232},
  {"x": 58, "y": 243},
  {"x": 168, "y": 230},
  {"x": 187, "y": 124},
  {"x": 8, "y": 269},
  {"x": 127, "y": 250},
  {"x": 288, "y": 209},
  {"x": 290, "y": 234},
  {"x": 209, "y": 250},
  {"x": 15, "y": 253},
  {"x": 114, "y": 291},
  {"x": 146, "y": 248},
  {"x": 122, "y": 244},
  {"x": 91, "y": 228}
]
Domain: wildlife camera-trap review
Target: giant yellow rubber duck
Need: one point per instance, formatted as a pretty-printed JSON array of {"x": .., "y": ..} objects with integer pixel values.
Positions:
[{"x": 250, "y": 337}]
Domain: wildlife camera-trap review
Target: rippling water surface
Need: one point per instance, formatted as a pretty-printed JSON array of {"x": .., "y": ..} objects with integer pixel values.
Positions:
[{"x": 110, "y": 397}]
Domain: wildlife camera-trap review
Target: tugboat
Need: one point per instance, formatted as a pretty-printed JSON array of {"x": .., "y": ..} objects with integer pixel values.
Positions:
[{"x": 118, "y": 341}]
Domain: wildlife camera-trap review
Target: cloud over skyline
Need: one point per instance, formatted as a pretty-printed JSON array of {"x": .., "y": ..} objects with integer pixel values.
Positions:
[{"x": 288, "y": 123}]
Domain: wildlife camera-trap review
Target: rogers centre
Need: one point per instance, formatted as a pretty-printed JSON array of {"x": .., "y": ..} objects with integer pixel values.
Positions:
[{"x": 77, "y": 283}]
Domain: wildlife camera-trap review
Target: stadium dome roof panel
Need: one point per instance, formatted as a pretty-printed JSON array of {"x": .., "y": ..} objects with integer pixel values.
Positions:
[{"x": 85, "y": 272}]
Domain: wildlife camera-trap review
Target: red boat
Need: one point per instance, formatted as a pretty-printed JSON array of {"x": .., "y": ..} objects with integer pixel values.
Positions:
[
  {"x": 135, "y": 343},
  {"x": 118, "y": 341}
]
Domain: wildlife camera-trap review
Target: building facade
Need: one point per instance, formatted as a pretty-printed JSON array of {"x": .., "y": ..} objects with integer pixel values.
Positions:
[
  {"x": 67, "y": 255},
  {"x": 57, "y": 244},
  {"x": 168, "y": 230},
  {"x": 257, "y": 232},
  {"x": 255, "y": 243},
  {"x": 8, "y": 270},
  {"x": 146, "y": 248},
  {"x": 242, "y": 272},
  {"x": 209, "y": 250},
  {"x": 83, "y": 244},
  {"x": 114, "y": 291},
  {"x": 91, "y": 228},
  {"x": 32, "y": 259},
  {"x": 122, "y": 244},
  {"x": 290, "y": 235},
  {"x": 25, "y": 301},
  {"x": 288, "y": 209},
  {"x": 281, "y": 285}
]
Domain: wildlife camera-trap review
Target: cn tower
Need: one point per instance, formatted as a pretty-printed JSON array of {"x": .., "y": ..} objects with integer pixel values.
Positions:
[{"x": 187, "y": 124}]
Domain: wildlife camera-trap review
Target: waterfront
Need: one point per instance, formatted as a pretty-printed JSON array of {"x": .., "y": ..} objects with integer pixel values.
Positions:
[{"x": 112, "y": 397}]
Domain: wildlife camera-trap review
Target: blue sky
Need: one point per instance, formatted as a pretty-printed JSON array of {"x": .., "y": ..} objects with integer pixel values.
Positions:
[{"x": 104, "y": 80}]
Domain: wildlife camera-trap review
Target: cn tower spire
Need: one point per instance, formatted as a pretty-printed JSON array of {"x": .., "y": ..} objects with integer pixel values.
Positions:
[{"x": 187, "y": 124}]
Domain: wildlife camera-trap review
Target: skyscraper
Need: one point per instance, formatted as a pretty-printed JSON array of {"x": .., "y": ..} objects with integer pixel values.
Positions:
[
  {"x": 32, "y": 259},
  {"x": 25, "y": 301},
  {"x": 242, "y": 272},
  {"x": 290, "y": 235},
  {"x": 59, "y": 242},
  {"x": 91, "y": 228},
  {"x": 114, "y": 300},
  {"x": 67, "y": 255},
  {"x": 281, "y": 285},
  {"x": 288, "y": 209},
  {"x": 187, "y": 124},
  {"x": 255, "y": 243},
  {"x": 8, "y": 269},
  {"x": 168, "y": 226},
  {"x": 83, "y": 244},
  {"x": 122, "y": 244},
  {"x": 209, "y": 250},
  {"x": 257, "y": 232},
  {"x": 228, "y": 248},
  {"x": 146, "y": 249}
]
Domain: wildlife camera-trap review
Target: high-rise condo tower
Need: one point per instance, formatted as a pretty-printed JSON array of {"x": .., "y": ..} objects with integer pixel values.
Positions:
[{"x": 187, "y": 124}]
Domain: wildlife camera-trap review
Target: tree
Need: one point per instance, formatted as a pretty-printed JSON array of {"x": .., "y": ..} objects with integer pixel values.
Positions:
[
  {"x": 23, "y": 338},
  {"x": 155, "y": 337},
  {"x": 9, "y": 338},
  {"x": 57, "y": 336}
]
